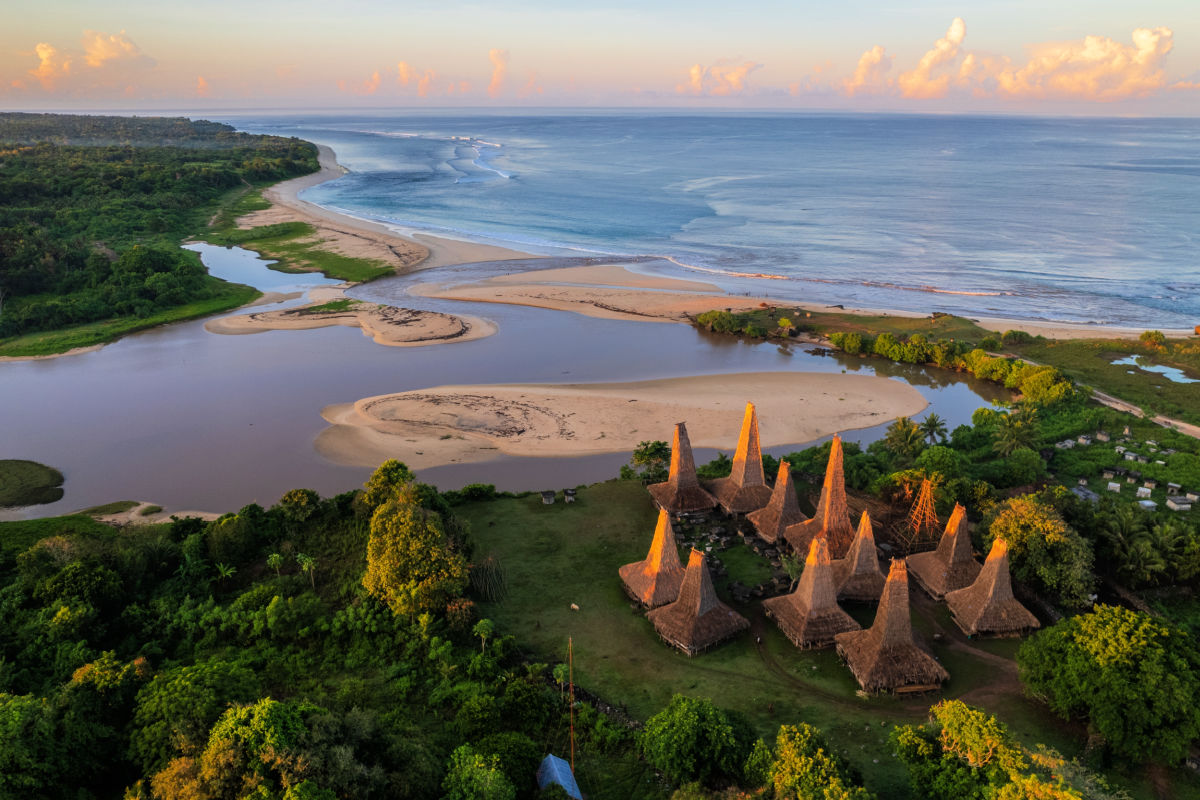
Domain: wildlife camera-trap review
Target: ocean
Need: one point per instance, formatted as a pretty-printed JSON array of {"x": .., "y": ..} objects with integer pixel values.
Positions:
[{"x": 1079, "y": 220}]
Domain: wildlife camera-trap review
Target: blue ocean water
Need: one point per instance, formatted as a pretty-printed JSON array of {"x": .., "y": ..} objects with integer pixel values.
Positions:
[{"x": 1090, "y": 220}]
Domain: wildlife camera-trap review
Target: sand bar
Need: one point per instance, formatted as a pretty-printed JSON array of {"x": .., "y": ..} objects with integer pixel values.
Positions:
[
  {"x": 386, "y": 325},
  {"x": 460, "y": 424}
]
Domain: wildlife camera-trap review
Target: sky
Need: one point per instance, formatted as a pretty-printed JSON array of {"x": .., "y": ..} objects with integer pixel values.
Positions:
[{"x": 1091, "y": 57}]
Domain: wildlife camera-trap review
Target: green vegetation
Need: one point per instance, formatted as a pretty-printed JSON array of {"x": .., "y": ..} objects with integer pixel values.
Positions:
[
  {"x": 332, "y": 307},
  {"x": 28, "y": 483},
  {"x": 149, "y": 509},
  {"x": 939, "y": 326},
  {"x": 295, "y": 247},
  {"x": 117, "y": 507},
  {"x": 92, "y": 210}
]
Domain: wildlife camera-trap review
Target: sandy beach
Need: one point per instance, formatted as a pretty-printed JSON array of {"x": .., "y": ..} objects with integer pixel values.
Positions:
[
  {"x": 386, "y": 325},
  {"x": 459, "y": 424}
]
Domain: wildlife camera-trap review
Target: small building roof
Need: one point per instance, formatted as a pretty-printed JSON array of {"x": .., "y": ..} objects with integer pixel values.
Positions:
[
  {"x": 810, "y": 616},
  {"x": 987, "y": 606},
  {"x": 858, "y": 576},
  {"x": 745, "y": 489},
  {"x": 681, "y": 491},
  {"x": 952, "y": 565},
  {"x": 655, "y": 581},
  {"x": 783, "y": 509},
  {"x": 554, "y": 770},
  {"x": 832, "y": 518},
  {"x": 697, "y": 620}
]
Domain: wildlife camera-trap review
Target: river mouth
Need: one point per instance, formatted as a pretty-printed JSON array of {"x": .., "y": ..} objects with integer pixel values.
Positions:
[{"x": 192, "y": 420}]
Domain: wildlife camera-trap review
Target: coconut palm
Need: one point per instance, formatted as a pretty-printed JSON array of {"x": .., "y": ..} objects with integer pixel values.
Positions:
[
  {"x": 904, "y": 439},
  {"x": 934, "y": 428},
  {"x": 1015, "y": 430}
]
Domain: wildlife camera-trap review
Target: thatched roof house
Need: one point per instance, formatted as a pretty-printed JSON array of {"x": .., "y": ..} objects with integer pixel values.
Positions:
[
  {"x": 832, "y": 519},
  {"x": 987, "y": 606},
  {"x": 697, "y": 620},
  {"x": 681, "y": 493},
  {"x": 810, "y": 616},
  {"x": 952, "y": 565},
  {"x": 782, "y": 510},
  {"x": 857, "y": 576},
  {"x": 746, "y": 487},
  {"x": 886, "y": 657},
  {"x": 655, "y": 581}
]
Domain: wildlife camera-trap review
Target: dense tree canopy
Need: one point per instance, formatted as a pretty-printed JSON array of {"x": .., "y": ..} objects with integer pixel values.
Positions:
[{"x": 1043, "y": 550}]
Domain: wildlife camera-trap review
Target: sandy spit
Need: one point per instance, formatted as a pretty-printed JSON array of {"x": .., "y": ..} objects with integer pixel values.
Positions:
[{"x": 459, "y": 424}]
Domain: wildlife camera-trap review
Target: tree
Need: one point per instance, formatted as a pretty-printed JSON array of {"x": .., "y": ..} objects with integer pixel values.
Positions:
[
  {"x": 275, "y": 562},
  {"x": 471, "y": 776},
  {"x": 805, "y": 768},
  {"x": 1043, "y": 550},
  {"x": 410, "y": 564},
  {"x": 934, "y": 428},
  {"x": 483, "y": 629},
  {"x": 1023, "y": 467},
  {"x": 226, "y": 571},
  {"x": 693, "y": 740},
  {"x": 299, "y": 505},
  {"x": 649, "y": 462},
  {"x": 1153, "y": 339},
  {"x": 308, "y": 565},
  {"x": 1135, "y": 678},
  {"x": 904, "y": 439},
  {"x": 387, "y": 479},
  {"x": 1015, "y": 430}
]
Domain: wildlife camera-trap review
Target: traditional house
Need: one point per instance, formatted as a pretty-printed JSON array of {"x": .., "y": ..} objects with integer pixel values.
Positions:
[
  {"x": 697, "y": 620},
  {"x": 746, "y": 487},
  {"x": 832, "y": 519},
  {"x": 681, "y": 492},
  {"x": 857, "y": 576},
  {"x": 1114, "y": 487},
  {"x": 1143, "y": 493},
  {"x": 810, "y": 616},
  {"x": 782, "y": 510},
  {"x": 952, "y": 565},
  {"x": 987, "y": 606},
  {"x": 886, "y": 657},
  {"x": 1178, "y": 504},
  {"x": 656, "y": 580}
]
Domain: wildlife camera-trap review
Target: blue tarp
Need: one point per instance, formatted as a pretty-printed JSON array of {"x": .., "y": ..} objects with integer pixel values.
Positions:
[{"x": 555, "y": 770}]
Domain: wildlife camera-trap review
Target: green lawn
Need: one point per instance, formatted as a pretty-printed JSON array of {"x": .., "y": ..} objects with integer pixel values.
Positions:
[
  {"x": 227, "y": 296},
  {"x": 27, "y": 483},
  {"x": 562, "y": 554}
]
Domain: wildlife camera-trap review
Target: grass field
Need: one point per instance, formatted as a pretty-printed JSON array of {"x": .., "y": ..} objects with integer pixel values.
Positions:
[
  {"x": 562, "y": 554},
  {"x": 228, "y": 296},
  {"x": 27, "y": 483}
]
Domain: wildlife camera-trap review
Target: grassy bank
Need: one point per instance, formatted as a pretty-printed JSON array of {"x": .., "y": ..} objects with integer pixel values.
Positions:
[
  {"x": 27, "y": 483},
  {"x": 226, "y": 296},
  {"x": 292, "y": 244},
  {"x": 559, "y": 555}
]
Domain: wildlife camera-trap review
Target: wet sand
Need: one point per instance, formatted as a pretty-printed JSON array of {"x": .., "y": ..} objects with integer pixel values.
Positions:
[{"x": 460, "y": 424}]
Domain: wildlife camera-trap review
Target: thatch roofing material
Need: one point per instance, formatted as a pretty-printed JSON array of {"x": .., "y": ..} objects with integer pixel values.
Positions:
[
  {"x": 832, "y": 519},
  {"x": 886, "y": 656},
  {"x": 952, "y": 565},
  {"x": 987, "y": 606},
  {"x": 810, "y": 616},
  {"x": 681, "y": 492},
  {"x": 746, "y": 487},
  {"x": 656, "y": 580},
  {"x": 697, "y": 620},
  {"x": 858, "y": 576},
  {"x": 783, "y": 509}
]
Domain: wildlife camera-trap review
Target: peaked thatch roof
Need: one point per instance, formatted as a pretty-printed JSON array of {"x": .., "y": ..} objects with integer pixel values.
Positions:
[
  {"x": 681, "y": 492},
  {"x": 810, "y": 616},
  {"x": 952, "y": 565},
  {"x": 886, "y": 657},
  {"x": 832, "y": 519},
  {"x": 697, "y": 620},
  {"x": 782, "y": 510},
  {"x": 655, "y": 581},
  {"x": 858, "y": 576},
  {"x": 746, "y": 488},
  {"x": 987, "y": 606}
]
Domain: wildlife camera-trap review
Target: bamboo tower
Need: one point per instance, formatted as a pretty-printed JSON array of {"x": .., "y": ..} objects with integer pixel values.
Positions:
[
  {"x": 952, "y": 565},
  {"x": 656, "y": 580},
  {"x": 681, "y": 492},
  {"x": 832, "y": 519},
  {"x": 746, "y": 487},
  {"x": 886, "y": 657},
  {"x": 987, "y": 606},
  {"x": 922, "y": 525},
  {"x": 697, "y": 620},
  {"x": 810, "y": 616},
  {"x": 857, "y": 576},
  {"x": 783, "y": 509}
]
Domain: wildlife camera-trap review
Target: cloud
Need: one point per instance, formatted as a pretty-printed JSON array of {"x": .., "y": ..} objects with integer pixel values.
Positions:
[
  {"x": 404, "y": 74},
  {"x": 870, "y": 76},
  {"x": 1097, "y": 68},
  {"x": 202, "y": 89},
  {"x": 920, "y": 82},
  {"x": 720, "y": 80},
  {"x": 52, "y": 66},
  {"x": 499, "y": 59},
  {"x": 531, "y": 86},
  {"x": 101, "y": 48},
  {"x": 425, "y": 83},
  {"x": 368, "y": 86}
]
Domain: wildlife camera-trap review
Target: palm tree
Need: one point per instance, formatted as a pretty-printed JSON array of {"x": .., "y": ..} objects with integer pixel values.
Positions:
[
  {"x": 934, "y": 428},
  {"x": 1015, "y": 430},
  {"x": 308, "y": 564},
  {"x": 226, "y": 571},
  {"x": 904, "y": 439}
]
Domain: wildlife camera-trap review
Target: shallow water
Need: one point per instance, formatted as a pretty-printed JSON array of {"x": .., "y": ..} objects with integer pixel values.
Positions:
[
  {"x": 1173, "y": 374},
  {"x": 193, "y": 420}
]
